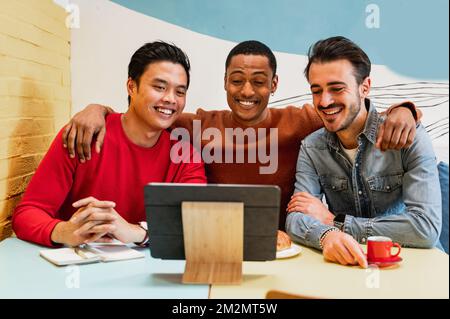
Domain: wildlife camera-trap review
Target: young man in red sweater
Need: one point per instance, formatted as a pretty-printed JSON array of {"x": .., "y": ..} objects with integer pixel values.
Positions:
[
  {"x": 250, "y": 79},
  {"x": 72, "y": 204}
]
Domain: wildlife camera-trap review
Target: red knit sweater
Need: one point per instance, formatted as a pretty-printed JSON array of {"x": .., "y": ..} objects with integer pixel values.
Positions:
[{"x": 118, "y": 173}]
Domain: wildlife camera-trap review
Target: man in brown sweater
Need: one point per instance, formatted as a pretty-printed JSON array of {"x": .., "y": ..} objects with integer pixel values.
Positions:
[{"x": 250, "y": 79}]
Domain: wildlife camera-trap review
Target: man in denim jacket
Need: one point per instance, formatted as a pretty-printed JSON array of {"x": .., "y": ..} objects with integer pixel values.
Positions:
[{"x": 369, "y": 192}]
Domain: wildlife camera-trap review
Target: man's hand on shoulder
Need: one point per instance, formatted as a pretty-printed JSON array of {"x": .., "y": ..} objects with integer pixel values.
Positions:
[
  {"x": 398, "y": 130},
  {"x": 79, "y": 132}
]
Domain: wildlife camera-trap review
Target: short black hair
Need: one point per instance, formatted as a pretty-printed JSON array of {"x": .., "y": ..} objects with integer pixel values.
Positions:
[
  {"x": 253, "y": 47},
  {"x": 340, "y": 48},
  {"x": 156, "y": 52}
]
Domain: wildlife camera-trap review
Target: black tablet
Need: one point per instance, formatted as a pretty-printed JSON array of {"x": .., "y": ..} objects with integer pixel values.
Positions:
[{"x": 164, "y": 218}]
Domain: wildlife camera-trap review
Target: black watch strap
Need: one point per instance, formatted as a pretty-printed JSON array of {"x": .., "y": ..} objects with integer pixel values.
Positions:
[{"x": 339, "y": 221}]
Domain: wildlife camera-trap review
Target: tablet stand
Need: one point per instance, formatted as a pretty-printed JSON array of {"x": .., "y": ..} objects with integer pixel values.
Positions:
[{"x": 213, "y": 242}]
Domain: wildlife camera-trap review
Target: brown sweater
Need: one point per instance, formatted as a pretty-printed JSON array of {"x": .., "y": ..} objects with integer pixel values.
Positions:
[{"x": 293, "y": 125}]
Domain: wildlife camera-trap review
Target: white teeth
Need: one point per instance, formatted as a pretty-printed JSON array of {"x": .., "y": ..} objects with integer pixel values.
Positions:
[
  {"x": 332, "y": 112},
  {"x": 164, "y": 111},
  {"x": 247, "y": 103}
]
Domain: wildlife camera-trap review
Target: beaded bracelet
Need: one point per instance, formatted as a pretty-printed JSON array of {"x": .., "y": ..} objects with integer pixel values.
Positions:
[{"x": 329, "y": 230}]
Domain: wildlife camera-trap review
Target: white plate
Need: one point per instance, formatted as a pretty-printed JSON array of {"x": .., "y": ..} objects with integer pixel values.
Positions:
[{"x": 294, "y": 250}]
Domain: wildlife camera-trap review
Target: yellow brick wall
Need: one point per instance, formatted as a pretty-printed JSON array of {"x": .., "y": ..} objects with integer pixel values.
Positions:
[{"x": 35, "y": 96}]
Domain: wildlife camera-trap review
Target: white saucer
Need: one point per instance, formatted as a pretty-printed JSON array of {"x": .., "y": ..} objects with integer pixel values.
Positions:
[{"x": 294, "y": 250}]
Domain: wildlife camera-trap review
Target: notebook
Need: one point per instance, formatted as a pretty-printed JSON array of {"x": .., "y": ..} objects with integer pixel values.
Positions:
[{"x": 90, "y": 253}]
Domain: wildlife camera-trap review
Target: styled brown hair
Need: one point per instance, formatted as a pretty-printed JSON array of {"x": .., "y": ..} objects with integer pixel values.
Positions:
[{"x": 340, "y": 48}]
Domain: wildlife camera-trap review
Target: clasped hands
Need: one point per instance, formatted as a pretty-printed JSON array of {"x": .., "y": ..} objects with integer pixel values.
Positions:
[
  {"x": 337, "y": 246},
  {"x": 96, "y": 221}
]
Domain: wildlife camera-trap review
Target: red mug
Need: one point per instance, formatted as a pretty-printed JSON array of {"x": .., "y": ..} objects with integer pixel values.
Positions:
[{"x": 379, "y": 248}]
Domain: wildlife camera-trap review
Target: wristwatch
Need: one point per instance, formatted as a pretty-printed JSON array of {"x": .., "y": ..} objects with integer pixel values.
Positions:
[
  {"x": 144, "y": 242},
  {"x": 339, "y": 221}
]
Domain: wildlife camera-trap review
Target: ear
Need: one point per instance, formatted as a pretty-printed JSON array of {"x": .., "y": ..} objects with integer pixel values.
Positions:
[
  {"x": 131, "y": 86},
  {"x": 365, "y": 87},
  {"x": 274, "y": 84},
  {"x": 225, "y": 81}
]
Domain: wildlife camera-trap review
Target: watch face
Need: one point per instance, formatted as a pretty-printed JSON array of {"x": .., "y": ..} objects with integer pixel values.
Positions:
[
  {"x": 339, "y": 221},
  {"x": 340, "y": 218}
]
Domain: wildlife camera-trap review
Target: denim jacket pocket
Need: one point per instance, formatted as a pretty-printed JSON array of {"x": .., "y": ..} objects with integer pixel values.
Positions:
[
  {"x": 337, "y": 192},
  {"x": 385, "y": 184},
  {"x": 335, "y": 183},
  {"x": 385, "y": 191}
]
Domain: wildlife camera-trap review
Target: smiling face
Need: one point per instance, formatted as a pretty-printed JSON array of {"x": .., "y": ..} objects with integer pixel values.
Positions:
[
  {"x": 160, "y": 97},
  {"x": 249, "y": 81},
  {"x": 337, "y": 97}
]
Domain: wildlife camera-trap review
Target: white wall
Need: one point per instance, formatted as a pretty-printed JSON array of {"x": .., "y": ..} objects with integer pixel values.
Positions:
[{"x": 109, "y": 34}]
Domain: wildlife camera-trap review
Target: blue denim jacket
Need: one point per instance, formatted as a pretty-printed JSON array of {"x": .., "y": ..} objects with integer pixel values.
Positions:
[{"x": 393, "y": 193}]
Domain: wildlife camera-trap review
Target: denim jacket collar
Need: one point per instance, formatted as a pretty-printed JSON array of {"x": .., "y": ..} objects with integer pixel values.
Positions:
[{"x": 370, "y": 129}]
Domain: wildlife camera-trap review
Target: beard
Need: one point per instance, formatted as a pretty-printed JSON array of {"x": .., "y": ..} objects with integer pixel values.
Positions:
[{"x": 354, "y": 110}]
